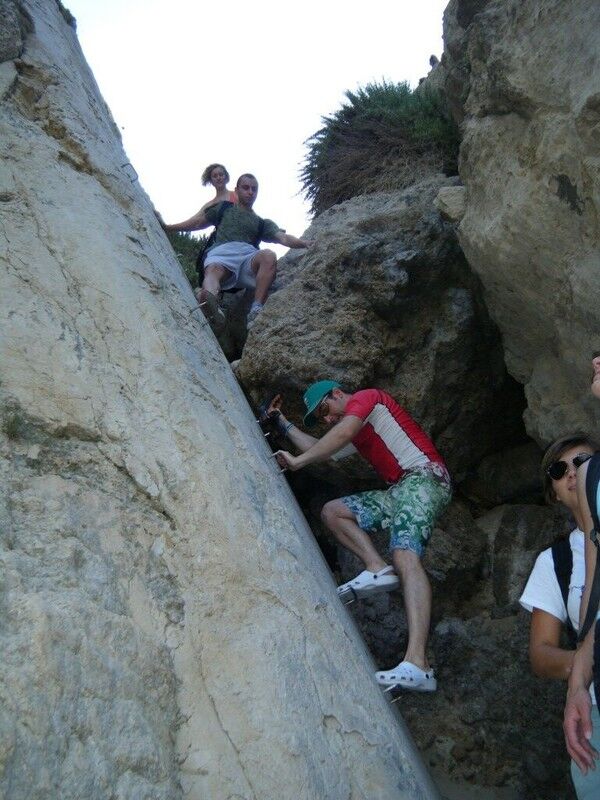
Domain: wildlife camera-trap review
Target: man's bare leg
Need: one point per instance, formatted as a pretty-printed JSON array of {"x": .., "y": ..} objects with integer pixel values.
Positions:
[
  {"x": 342, "y": 523},
  {"x": 213, "y": 275},
  {"x": 264, "y": 267},
  {"x": 417, "y": 603}
]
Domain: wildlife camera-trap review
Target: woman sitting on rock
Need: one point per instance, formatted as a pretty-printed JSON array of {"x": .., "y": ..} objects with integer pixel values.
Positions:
[
  {"x": 218, "y": 177},
  {"x": 543, "y": 596}
]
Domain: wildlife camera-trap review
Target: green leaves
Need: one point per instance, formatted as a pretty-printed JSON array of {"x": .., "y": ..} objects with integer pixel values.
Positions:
[
  {"x": 186, "y": 247},
  {"x": 384, "y": 137}
]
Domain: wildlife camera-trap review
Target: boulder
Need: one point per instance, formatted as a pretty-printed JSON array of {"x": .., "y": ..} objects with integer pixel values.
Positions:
[
  {"x": 384, "y": 298},
  {"x": 169, "y": 628},
  {"x": 510, "y": 476},
  {"x": 450, "y": 202},
  {"x": 529, "y": 161},
  {"x": 522, "y": 532}
]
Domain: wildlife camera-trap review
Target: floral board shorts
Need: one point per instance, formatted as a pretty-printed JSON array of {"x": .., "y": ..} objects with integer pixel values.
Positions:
[{"x": 408, "y": 509}]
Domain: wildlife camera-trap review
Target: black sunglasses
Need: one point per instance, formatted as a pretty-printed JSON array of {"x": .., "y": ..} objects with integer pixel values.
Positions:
[{"x": 558, "y": 469}]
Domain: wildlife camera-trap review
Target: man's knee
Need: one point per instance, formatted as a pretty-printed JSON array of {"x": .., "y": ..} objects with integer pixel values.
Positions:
[
  {"x": 214, "y": 271},
  {"x": 266, "y": 261},
  {"x": 269, "y": 257},
  {"x": 331, "y": 512}
]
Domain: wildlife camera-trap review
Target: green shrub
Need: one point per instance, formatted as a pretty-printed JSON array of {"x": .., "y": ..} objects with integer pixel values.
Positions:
[
  {"x": 186, "y": 247},
  {"x": 385, "y": 137}
]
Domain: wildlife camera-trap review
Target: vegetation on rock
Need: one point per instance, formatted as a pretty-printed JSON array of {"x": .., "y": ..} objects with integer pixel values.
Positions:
[
  {"x": 386, "y": 136},
  {"x": 186, "y": 247}
]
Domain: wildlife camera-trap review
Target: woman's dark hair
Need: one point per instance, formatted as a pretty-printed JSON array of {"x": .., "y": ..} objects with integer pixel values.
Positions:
[
  {"x": 208, "y": 171},
  {"x": 556, "y": 449}
]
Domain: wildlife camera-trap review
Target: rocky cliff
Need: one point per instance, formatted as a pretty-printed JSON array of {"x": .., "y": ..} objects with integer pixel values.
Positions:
[
  {"x": 168, "y": 625},
  {"x": 524, "y": 78}
]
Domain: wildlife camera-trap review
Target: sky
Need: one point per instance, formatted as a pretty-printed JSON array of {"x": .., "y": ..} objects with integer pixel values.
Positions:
[{"x": 242, "y": 83}]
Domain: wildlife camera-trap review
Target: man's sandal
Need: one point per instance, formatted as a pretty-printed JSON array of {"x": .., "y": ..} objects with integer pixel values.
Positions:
[
  {"x": 368, "y": 583},
  {"x": 407, "y": 676}
]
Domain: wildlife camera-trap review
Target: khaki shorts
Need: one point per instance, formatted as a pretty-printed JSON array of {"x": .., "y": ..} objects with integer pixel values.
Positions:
[{"x": 237, "y": 258}]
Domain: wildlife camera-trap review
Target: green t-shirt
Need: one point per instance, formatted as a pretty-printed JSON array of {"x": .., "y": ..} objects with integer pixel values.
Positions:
[{"x": 238, "y": 225}]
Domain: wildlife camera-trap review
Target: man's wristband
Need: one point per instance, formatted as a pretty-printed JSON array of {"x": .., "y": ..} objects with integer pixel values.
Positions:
[{"x": 284, "y": 427}]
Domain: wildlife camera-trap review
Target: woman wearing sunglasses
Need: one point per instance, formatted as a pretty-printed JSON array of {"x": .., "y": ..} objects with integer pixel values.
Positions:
[
  {"x": 543, "y": 596},
  {"x": 582, "y": 721}
]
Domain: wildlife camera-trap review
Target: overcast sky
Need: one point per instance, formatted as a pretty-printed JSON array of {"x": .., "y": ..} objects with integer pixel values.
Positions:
[{"x": 242, "y": 83}]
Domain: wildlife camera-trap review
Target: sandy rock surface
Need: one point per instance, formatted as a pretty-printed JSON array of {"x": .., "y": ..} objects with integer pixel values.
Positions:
[
  {"x": 169, "y": 627},
  {"x": 529, "y": 160}
]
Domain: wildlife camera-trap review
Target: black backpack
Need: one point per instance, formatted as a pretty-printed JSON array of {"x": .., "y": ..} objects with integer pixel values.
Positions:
[
  {"x": 208, "y": 243},
  {"x": 562, "y": 556},
  {"x": 592, "y": 482}
]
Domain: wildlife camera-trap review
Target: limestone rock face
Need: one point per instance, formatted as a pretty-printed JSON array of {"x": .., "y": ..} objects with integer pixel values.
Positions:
[
  {"x": 385, "y": 299},
  {"x": 168, "y": 626},
  {"x": 530, "y": 162}
]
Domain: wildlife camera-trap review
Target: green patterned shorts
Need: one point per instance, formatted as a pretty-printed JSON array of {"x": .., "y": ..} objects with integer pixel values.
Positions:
[{"x": 408, "y": 509}]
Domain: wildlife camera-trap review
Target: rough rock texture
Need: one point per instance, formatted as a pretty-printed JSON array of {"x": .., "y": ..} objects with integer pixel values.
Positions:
[
  {"x": 168, "y": 627},
  {"x": 522, "y": 78},
  {"x": 384, "y": 298},
  {"x": 526, "y": 77},
  {"x": 450, "y": 202},
  {"x": 510, "y": 476},
  {"x": 492, "y": 728}
]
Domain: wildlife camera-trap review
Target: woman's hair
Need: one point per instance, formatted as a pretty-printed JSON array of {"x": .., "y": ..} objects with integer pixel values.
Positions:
[
  {"x": 555, "y": 450},
  {"x": 208, "y": 171}
]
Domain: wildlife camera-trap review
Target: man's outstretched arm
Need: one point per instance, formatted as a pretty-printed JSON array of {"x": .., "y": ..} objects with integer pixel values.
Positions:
[
  {"x": 287, "y": 240},
  {"x": 333, "y": 441}
]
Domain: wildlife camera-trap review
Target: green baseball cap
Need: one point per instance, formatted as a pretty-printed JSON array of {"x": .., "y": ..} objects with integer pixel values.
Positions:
[{"x": 313, "y": 396}]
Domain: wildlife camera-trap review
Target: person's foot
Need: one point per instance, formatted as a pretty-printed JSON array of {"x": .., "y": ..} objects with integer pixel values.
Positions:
[
  {"x": 367, "y": 583},
  {"x": 255, "y": 310},
  {"x": 213, "y": 312},
  {"x": 407, "y": 676}
]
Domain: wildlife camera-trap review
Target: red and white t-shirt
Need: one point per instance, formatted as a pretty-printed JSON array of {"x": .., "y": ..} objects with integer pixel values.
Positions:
[{"x": 390, "y": 439}]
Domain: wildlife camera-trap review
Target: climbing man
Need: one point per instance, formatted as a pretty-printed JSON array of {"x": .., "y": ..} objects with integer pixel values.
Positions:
[
  {"x": 371, "y": 423},
  {"x": 234, "y": 260}
]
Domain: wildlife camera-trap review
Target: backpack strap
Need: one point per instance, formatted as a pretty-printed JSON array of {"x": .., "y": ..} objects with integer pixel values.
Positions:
[
  {"x": 591, "y": 490},
  {"x": 211, "y": 240},
  {"x": 222, "y": 209},
  {"x": 562, "y": 555}
]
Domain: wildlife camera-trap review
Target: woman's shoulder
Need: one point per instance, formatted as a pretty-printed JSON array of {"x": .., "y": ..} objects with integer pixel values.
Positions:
[{"x": 216, "y": 201}]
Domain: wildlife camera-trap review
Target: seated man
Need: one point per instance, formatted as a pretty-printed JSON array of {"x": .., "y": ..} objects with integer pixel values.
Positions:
[
  {"x": 234, "y": 260},
  {"x": 419, "y": 490}
]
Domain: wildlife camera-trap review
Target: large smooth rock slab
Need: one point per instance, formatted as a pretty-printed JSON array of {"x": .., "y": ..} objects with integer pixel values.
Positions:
[{"x": 168, "y": 625}]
